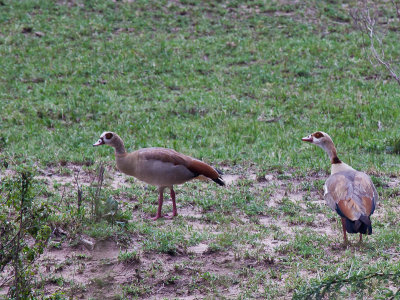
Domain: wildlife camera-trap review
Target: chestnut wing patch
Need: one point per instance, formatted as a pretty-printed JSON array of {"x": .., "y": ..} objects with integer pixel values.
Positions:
[
  {"x": 201, "y": 168},
  {"x": 369, "y": 205},
  {"x": 349, "y": 209}
]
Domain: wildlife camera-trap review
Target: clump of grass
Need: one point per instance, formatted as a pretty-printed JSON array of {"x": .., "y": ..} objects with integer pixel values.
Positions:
[
  {"x": 167, "y": 240},
  {"x": 129, "y": 257},
  {"x": 172, "y": 279},
  {"x": 103, "y": 230},
  {"x": 289, "y": 207},
  {"x": 305, "y": 244},
  {"x": 207, "y": 281},
  {"x": 101, "y": 282},
  {"x": 136, "y": 290},
  {"x": 223, "y": 242},
  {"x": 393, "y": 145}
]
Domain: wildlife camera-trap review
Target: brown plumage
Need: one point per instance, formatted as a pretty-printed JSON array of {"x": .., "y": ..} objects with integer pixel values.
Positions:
[
  {"x": 347, "y": 191},
  {"x": 159, "y": 166}
]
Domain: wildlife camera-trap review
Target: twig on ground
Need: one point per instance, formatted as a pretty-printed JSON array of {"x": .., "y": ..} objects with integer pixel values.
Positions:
[{"x": 79, "y": 190}]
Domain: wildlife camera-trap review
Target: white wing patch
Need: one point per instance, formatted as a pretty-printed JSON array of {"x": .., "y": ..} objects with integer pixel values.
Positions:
[
  {"x": 328, "y": 197},
  {"x": 325, "y": 190}
]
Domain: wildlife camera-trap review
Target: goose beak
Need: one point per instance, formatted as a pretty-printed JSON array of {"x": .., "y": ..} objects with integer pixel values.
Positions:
[
  {"x": 98, "y": 143},
  {"x": 307, "y": 139}
]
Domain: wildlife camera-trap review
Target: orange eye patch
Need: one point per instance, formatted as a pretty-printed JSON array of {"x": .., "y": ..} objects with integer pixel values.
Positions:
[{"x": 318, "y": 135}]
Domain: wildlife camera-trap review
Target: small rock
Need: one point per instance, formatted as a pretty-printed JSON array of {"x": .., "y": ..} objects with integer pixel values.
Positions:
[
  {"x": 269, "y": 177},
  {"x": 39, "y": 33},
  {"x": 88, "y": 244},
  {"x": 199, "y": 249}
]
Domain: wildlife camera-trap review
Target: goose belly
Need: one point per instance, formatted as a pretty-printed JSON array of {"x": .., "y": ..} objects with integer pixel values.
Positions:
[{"x": 162, "y": 173}]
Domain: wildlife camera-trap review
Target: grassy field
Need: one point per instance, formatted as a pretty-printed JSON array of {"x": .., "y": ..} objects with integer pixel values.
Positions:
[{"x": 235, "y": 83}]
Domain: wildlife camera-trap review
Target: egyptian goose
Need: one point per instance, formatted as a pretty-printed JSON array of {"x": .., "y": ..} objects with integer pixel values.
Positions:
[
  {"x": 347, "y": 191},
  {"x": 158, "y": 166}
]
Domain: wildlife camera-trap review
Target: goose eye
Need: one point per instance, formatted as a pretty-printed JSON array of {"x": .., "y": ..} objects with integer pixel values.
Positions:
[{"x": 108, "y": 135}]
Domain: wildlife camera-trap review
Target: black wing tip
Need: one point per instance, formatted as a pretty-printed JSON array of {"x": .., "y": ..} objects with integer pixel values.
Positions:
[
  {"x": 219, "y": 171},
  {"x": 219, "y": 181}
]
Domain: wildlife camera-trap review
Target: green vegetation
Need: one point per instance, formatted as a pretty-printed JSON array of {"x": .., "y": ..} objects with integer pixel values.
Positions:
[
  {"x": 235, "y": 83},
  {"x": 206, "y": 79},
  {"x": 359, "y": 282},
  {"x": 29, "y": 221}
]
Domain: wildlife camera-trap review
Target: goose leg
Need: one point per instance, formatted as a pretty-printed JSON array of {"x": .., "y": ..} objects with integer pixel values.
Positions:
[
  {"x": 160, "y": 203},
  {"x": 344, "y": 231},
  {"x": 360, "y": 241},
  {"x": 174, "y": 210}
]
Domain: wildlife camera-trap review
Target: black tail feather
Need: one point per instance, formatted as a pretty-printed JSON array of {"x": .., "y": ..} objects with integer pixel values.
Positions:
[
  {"x": 366, "y": 224},
  {"x": 362, "y": 225}
]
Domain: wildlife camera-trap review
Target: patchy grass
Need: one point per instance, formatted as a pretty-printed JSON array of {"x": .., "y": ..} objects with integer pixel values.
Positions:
[
  {"x": 235, "y": 83},
  {"x": 218, "y": 253}
]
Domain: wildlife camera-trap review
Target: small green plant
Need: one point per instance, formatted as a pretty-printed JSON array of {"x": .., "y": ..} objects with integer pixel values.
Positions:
[
  {"x": 102, "y": 206},
  {"x": 172, "y": 279},
  {"x": 101, "y": 282},
  {"x": 31, "y": 222},
  {"x": 289, "y": 207},
  {"x": 59, "y": 295},
  {"x": 223, "y": 242},
  {"x": 136, "y": 290},
  {"x": 96, "y": 193},
  {"x": 394, "y": 146},
  {"x": 131, "y": 257}
]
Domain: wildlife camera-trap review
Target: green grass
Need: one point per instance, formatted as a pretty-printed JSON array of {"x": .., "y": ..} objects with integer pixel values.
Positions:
[
  {"x": 202, "y": 83},
  {"x": 237, "y": 84}
]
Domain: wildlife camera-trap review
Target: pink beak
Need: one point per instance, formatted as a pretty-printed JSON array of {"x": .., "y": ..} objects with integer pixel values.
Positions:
[
  {"x": 307, "y": 139},
  {"x": 98, "y": 143}
]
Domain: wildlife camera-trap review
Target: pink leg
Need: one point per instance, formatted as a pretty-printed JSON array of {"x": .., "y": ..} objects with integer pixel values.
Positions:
[
  {"x": 344, "y": 231},
  {"x": 160, "y": 203},
  {"x": 174, "y": 210},
  {"x": 360, "y": 238}
]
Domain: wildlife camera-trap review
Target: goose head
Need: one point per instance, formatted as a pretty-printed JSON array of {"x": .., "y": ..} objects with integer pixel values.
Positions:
[
  {"x": 106, "y": 138},
  {"x": 318, "y": 138}
]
